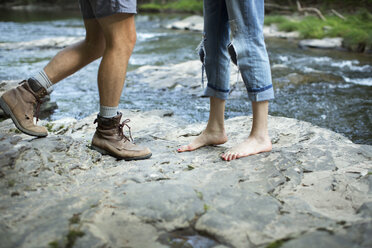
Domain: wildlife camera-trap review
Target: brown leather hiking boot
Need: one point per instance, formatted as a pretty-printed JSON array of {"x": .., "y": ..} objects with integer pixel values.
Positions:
[
  {"x": 109, "y": 139},
  {"x": 19, "y": 104}
]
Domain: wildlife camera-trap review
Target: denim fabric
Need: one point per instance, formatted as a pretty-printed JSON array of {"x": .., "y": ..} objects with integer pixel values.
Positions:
[
  {"x": 242, "y": 20},
  {"x": 102, "y": 8}
]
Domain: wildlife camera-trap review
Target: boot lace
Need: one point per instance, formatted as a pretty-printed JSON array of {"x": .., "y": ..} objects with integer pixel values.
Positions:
[
  {"x": 37, "y": 111},
  {"x": 121, "y": 130},
  {"x": 38, "y": 104}
]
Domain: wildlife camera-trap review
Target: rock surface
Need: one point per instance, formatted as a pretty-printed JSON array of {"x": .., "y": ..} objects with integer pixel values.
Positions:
[
  {"x": 326, "y": 43},
  {"x": 272, "y": 31},
  {"x": 314, "y": 186},
  {"x": 186, "y": 75},
  {"x": 313, "y": 190},
  {"x": 196, "y": 23},
  {"x": 159, "y": 77},
  {"x": 55, "y": 42},
  {"x": 193, "y": 23}
]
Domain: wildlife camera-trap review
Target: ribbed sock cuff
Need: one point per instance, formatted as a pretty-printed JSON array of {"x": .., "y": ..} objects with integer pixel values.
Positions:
[
  {"x": 108, "y": 112},
  {"x": 43, "y": 79}
]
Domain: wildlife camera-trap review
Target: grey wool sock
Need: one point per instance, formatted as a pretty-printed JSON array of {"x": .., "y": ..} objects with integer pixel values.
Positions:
[
  {"x": 108, "y": 112},
  {"x": 43, "y": 79}
]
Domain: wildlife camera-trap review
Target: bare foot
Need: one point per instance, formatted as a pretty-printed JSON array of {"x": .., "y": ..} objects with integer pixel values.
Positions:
[
  {"x": 250, "y": 146},
  {"x": 206, "y": 138}
]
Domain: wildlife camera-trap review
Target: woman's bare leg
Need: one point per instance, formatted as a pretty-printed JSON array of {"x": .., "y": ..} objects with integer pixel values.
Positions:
[
  {"x": 258, "y": 140},
  {"x": 214, "y": 133}
]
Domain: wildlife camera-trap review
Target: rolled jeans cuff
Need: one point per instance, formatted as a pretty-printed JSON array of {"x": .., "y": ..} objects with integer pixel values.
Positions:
[
  {"x": 223, "y": 95},
  {"x": 261, "y": 95}
]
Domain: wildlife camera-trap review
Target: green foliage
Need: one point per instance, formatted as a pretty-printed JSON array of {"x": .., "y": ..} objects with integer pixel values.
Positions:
[
  {"x": 199, "y": 194},
  {"x": 53, "y": 244},
  {"x": 72, "y": 236},
  {"x": 187, "y": 5},
  {"x": 193, "y": 6},
  {"x": 276, "y": 244},
  {"x": 355, "y": 29},
  {"x": 206, "y": 207},
  {"x": 14, "y": 130},
  {"x": 289, "y": 26},
  {"x": 356, "y": 37},
  {"x": 310, "y": 27},
  {"x": 151, "y": 6},
  {"x": 49, "y": 127},
  {"x": 75, "y": 219},
  {"x": 11, "y": 183},
  {"x": 275, "y": 19}
]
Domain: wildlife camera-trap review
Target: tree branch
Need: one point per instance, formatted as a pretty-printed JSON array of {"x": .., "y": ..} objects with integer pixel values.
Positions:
[
  {"x": 276, "y": 6},
  {"x": 300, "y": 9},
  {"x": 338, "y": 14}
]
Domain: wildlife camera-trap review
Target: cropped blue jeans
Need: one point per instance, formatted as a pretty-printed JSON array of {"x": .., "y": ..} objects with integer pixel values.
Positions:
[{"x": 237, "y": 24}]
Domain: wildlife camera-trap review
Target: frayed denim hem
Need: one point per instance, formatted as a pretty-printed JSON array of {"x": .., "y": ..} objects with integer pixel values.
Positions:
[
  {"x": 209, "y": 92},
  {"x": 263, "y": 94}
]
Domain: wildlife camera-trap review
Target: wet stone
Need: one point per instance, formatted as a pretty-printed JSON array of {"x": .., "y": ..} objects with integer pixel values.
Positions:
[
  {"x": 365, "y": 210},
  {"x": 290, "y": 195}
]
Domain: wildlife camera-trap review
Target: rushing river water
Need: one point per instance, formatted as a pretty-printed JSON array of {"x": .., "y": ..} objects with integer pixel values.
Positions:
[{"x": 342, "y": 103}]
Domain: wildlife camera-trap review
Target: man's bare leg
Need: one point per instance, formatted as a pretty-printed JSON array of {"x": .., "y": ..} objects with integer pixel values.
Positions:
[
  {"x": 20, "y": 102},
  {"x": 76, "y": 56},
  {"x": 120, "y": 34},
  {"x": 258, "y": 140},
  {"x": 214, "y": 133}
]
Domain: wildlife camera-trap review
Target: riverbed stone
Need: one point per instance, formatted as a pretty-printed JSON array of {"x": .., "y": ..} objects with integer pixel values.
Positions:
[
  {"x": 314, "y": 184},
  {"x": 299, "y": 78},
  {"x": 346, "y": 236},
  {"x": 193, "y": 23},
  {"x": 325, "y": 43},
  {"x": 46, "y": 43},
  {"x": 187, "y": 76},
  {"x": 272, "y": 31},
  {"x": 182, "y": 76},
  {"x": 196, "y": 23}
]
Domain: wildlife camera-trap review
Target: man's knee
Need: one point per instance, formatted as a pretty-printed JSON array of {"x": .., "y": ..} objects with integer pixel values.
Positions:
[
  {"x": 95, "y": 46},
  {"x": 122, "y": 43},
  {"x": 119, "y": 31},
  {"x": 128, "y": 41},
  {"x": 132, "y": 39}
]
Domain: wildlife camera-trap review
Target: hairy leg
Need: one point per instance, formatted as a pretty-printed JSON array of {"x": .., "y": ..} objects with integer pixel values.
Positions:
[
  {"x": 120, "y": 35},
  {"x": 214, "y": 133},
  {"x": 76, "y": 56},
  {"x": 258, "y": 140}
]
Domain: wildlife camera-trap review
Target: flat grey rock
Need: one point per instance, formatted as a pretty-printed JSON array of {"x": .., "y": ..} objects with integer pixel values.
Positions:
[
  {"x": 193, "y": 23},
  {"x": 46, "y": 43},
  {"x": 196, "y": 23},
  {"x": 182, "y": 76},
  {"x": 326, "y": 43},
  {"x": 314, "y": 185},
  {"x": 272, "y": 31}
]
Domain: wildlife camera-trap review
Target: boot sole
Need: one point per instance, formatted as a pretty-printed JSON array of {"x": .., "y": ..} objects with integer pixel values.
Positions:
[
  {"x": 103, "y": 152},
  {"x": 8, "y": 112}
]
